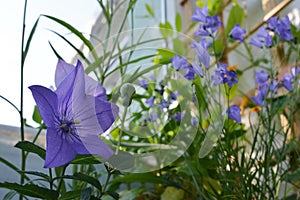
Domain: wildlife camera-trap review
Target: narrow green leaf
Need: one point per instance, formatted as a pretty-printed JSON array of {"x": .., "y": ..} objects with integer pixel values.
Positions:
[
  {"x": 80, "y": 53},
  {"x": 85, "y": 159},
  {"x": 40, "y": 174},
  {"x": 113, "y": 194},
  {"x": 130, "y": 62},
  {"x": 83, "y": 177},
  {"x": 55, "y": 52},
  {"x": 166, "y": 29},
  {"x": 144, "y": 178},
  {"x": 12, "y": 166},
  {"x": 86, "y": 193},
  {"x": 30, "y": 38},
  {"x": 105, "y": 13},
  {"x": 236, "y": 16},
  {"x": 10, "y": 195},
  {"x": 31, "y": 190},
  {"x": 178, "y": 46},
  {"x": 74, "y": 194},
  {"x": 149, "y": 9},
  {"x": 36, "y": 115},
  {"x": 178, "y": 22},
  {"x": 76, "y": 32},
  {"x": 32, "y": 148}
]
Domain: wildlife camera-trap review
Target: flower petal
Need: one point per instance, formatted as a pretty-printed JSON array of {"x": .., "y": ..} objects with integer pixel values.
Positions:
[
  {"x": 106, "y": 113},
  {"x": 96, "y": 146},
  {"x": 71, "y": 91},
  {"x": 46, "y": 101},
  {"x": 58, "y": 150},
  {"x": 63, "y": 69}
]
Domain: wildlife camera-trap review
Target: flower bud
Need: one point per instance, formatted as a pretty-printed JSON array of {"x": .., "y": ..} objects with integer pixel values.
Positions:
[{"x": 127, "y": 91}]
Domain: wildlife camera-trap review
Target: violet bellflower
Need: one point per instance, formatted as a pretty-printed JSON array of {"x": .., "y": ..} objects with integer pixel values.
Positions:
[
  {"x": 237, "y": 33},
  {"x": 202, "y": 52},
  {"x": 287, "y": 81},
  {"x": 75, "y": 114},
  {"x": 222, "y": 76},
  {"x": 234, "y": 112},
  {"x": 262, "y": 38},
  {"x": 208, "y": 24},
  {"x": 281, "y": 27},
  {"x": 179, "y": 63}
]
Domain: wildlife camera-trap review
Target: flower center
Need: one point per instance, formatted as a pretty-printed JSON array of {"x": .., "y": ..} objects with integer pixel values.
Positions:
[{"x": 67, "y": 126}]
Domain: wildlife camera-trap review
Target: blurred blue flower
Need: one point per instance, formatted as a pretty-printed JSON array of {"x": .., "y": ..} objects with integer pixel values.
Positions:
[
  {"x": 143, "y": 83},
  {"x": 262, "y": 38},
  {"x": 74, "y": 119},
  {"x": 150, "y": 101},
  {"x": 179, "y": 63},
  {"x": 200, "y": 14},
  {"x": 261, "y": 77},
  {"x": 231, "y": 78},
  {"x": 234, "y": 112},
  {"x": 201, "y": 52},
  {"x": 287, "y": 81},
  {"x": 237, "y": 33}
]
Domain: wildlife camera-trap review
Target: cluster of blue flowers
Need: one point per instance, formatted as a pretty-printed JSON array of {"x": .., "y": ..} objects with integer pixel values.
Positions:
[
  {"x": 208, "y": 24},
  {"x": 223, "y": 75},
  {"x": 275, "y": 27},
  {"x": 266, "y": 85}
]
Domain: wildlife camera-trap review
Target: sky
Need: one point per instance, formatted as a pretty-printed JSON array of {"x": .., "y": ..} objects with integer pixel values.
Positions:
[{"x": 41, "y": 61}]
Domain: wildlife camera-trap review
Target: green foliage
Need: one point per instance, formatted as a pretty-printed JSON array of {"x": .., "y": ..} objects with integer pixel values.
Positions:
[
  {"x": 31, "y": 190},
  {"x": 236, "y": 16},
  {"x": 32, "y": 148}
]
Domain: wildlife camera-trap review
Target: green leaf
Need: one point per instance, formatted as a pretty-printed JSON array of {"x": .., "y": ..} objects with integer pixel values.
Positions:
[
  {"x": 178, "y": 22},
  {"x": 166, "y": 29},
  {"x": 40, "y": 174},
  {"x": 76, "y": 32},
  {"x": 10, "y": 195},
  {"x": 83, "y": 177},
  {"x": 179, "y": 47},
  {"x": 86, "y": 193},
  {"x": 32, "y": 148},
  {"x": 12, "y": 166},
  {"x": 31, "y": 190},
  {"x": 85, "y": 159},
  {"x": 36, "y": 115},
  {"x": 79, "y": 52},
  {"x": 131, "y": 194},
  {"x": 165, "y": 55},
  {"x": 112, "y": 194},
  {"x": 55, "y": 52},
  {"x": 149, "y": 9},
  {"x": 236, "y": 16},
  {"x": 70, "y": 195},
  {"x": 143, "y": 178},
  {"x": 30, "y": 38}
]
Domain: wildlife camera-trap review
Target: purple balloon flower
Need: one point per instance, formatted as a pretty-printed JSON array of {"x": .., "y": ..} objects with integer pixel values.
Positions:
[
  {"x": 261, "y": 77},
  {"x": 201, "y": 51},
  {"x": 287, "y": 81},
  {"x": 237, "y": 33},
  {"x": 200, "y": 14},
  {"x": 234, "y": 112},
  {"x": 74, "y": 119},
  {"x": 179, "y": 63}
]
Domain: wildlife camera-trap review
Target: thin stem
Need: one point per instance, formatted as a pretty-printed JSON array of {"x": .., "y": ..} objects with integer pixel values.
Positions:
[
  {"x": 106, "y": 182},
  {"x": 23, "y": 161},
  {"x": 121, "y": 131},
  {"x": 61, "y": 180},
  {"x": 8, "y": 101},
  {"x": 50, "y": 179}
]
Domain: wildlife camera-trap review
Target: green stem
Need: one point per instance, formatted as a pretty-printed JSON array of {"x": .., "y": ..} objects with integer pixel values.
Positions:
[
  {"x": 8, "y": 101},
  {"x": 106, "y": 183},
  {"x": 50, "y": 179},
  {"x": 121, "y": 131},
  {"x": 23, "y": 161},
  {"x": 61, "y": 179}
]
